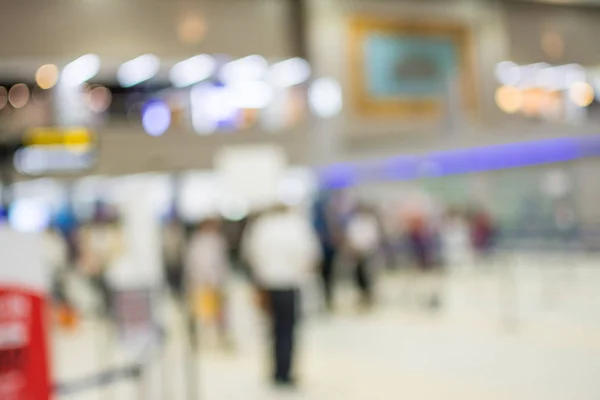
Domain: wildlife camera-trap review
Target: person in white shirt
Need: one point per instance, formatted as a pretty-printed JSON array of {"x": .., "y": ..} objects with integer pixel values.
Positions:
[
  {"x": 456, "y": 240},
  {"x": 363, "y": 240},
  {"x": 283, "y": 252},
  {"x": 207, "y": 272}
]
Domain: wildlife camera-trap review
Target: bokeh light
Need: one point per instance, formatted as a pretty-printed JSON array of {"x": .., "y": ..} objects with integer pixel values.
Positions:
[
  {"x": 211, "y": 106},
  {"x": 99, "y": 99},
  {"x": 46, "y": 76},
  {"x": 156, "y": 117},
  {"x": 247, "y": 69},
  {"x": 325, "y": 97},
  {"x": 251, "y": 95},
  {"x": 191, "y": 29},
  {"x": 509, "y": 99},
  {"x": 553, "y": 45},
  {"x": 581, "y": 94},
  {"x": 18, "y": 96},
  {"x": 192, "y": 70},
  {"x": 138, "y": 70},
  {"x": 81, "y": 70},
  {"x": 508, "y": 73},
  {"x": 289, "y": 72},
  {"x": 29, "y": 215}
]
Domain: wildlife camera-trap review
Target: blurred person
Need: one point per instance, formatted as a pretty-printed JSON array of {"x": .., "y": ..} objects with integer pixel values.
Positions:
[
  {"x": 455, "y": 236},
  {"x": 67, "y": 224},
  {"x": 363, "y": 240},
  {"x": 283, "y": 251},
  {"x": 101, "y": 244},
  {"x": 174, "y": 243},
  {"x": 422, "y": 242},
  {"x": 207, "y": 273},
  {"x": 482, "y": 232},
  {"x": 56, "y": 251},
  {"x": 327, "y": 223}
]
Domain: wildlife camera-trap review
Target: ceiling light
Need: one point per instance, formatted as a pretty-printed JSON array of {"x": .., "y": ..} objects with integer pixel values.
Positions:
[
  {"x": 138, "y": 70},
  {"x": 192, "y": 70},
  {"x": 81, "y": 70}
]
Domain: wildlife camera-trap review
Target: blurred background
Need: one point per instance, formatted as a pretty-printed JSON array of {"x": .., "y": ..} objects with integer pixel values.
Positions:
[{"x": 467, "y": 130}]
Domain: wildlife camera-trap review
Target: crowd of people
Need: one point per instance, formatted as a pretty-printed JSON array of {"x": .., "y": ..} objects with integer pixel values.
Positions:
[{"x": 278, "y": 249}]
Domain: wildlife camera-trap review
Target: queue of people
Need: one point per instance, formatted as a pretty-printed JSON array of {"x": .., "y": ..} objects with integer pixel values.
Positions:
[{"x": 280, "y": 249}]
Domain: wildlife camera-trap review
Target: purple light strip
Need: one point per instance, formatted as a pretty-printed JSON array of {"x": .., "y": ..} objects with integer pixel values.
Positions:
[{"x": 462, "y": 161}]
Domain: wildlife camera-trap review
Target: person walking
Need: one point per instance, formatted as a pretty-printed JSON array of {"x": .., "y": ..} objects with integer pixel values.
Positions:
[
  {"x": 328, "y": 226},
  {"x": 363, "y": 240},
  {"x": 282, "y": 250},
  {"x": 207, "y": 273}
]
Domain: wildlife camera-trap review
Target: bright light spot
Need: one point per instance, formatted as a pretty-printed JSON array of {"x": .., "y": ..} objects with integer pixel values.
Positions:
[
  {"x": 508, "y": 73},
  {"x": 99, "y": 99},
  {"x": 325, "y": 97},
  {"x": 3, "y": 97},
  {"x": 251, "y": 95},
  {"x": 551, "y": 78},
  {"x": 553, "y": 44},
  {"x": 18, "y": 96},
  {"x": 234, "y": 209},
  {"x": 581, "y": 94},
  {"x": 509, "y": 99},
  {"x": 29, "y": 215},
  {"x": 193, "y": 70},
  {"x": 289, "y": 72},
  {"x": 251, "y": 68},
  {"x": 156, "y": 117},
  {"x": 81, "y": 70},
  {"x": 210, "y": 106},
  {"x": 574, "y": 73},
  {"x": 138, "y": 70},
  {"x": 47, "y": 76},
  {"x": 191, "y": 29}
]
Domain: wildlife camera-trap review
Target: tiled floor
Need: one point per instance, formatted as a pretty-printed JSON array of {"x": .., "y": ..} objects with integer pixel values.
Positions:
[{"x": 529, "y": 335}]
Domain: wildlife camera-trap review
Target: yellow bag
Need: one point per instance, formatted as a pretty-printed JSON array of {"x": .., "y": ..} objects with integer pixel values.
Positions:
[
  {"x": 206, "y": 304},
  {"x": 67, "y": 318}
]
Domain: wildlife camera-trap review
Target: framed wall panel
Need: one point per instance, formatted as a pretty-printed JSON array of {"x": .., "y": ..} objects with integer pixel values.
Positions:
[{"x": 406, "y": 68}]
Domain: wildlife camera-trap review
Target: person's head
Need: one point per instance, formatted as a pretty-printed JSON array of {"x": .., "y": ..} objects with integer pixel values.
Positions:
[
  {"x": 453, "y": 213},
  {"x": 209, "y": 225}
]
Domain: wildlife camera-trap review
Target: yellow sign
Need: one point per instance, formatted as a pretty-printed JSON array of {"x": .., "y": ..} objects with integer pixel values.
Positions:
[{"x": 68, "y": 137}]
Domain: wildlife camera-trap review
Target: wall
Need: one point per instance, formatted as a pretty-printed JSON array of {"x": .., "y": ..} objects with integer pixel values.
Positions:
[
  {"x": 500, "y": 30},
  {"x": 576, "y": 27},
  {"x": 328, "y": 38},
  {"x": 127, "y": 28}
]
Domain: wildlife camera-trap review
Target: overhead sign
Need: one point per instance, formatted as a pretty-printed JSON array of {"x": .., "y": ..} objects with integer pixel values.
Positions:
[
  {"x": 56, "y": 150},
  {"x": 24, "y": 360},
  {"x": 66, "y": 137}
]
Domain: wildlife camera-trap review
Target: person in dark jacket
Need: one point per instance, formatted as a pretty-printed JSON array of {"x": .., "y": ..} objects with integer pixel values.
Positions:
[{"x": 327, "y": 224}]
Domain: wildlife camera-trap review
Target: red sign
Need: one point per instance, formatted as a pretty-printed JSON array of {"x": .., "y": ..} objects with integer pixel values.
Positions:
[{"x": 24, "y": 371}]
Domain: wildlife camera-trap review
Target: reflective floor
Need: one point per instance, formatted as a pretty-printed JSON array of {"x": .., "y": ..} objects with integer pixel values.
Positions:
[{"x": 526, "y": 328}]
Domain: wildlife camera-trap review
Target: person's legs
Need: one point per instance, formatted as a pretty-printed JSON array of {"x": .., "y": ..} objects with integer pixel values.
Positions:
[
  {"x": 284, "y": 315},
  {"x": 363, "y": 280},
  {"x": 327, "y": 274}
]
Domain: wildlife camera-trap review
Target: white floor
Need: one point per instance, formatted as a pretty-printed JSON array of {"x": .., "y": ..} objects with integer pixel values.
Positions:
[{"x": 527, "y": 328}]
